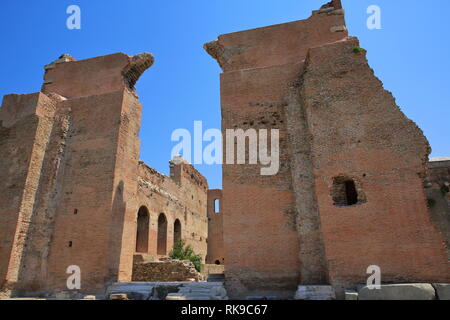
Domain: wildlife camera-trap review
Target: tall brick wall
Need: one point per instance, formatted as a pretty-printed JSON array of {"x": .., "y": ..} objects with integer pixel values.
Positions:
[
  {"x": 98, "y": 186},
  {"x": 25, "y": 127},
  {"x": 34, "y": 264},
  {"x": 261, "y": 243},
  {"x": 77, "y": 180},
  {"x": 90, "y": 188}
]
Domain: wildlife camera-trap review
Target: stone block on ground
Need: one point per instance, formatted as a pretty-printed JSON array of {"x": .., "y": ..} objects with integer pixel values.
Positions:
[
  {"x": 261, "y": 298},
  {"x": 351, "y": 295},
  {"x": 169, "y": 290},
  {"x": 403, "y": 291},
  {"x": 442, "y": 290},
  {"x": 134, "y": 290},
  {"x": 200, "y": 291},
  {"x": 176, "y": 296},
  {"x": 312, "y": 292},
  {"x": 68, "y": 295},
  {"x": 216, "y": 277},
  {"x": 118, "y": 296},
  {"x": 165, "y": 270},
  {"x": 198, "y": 297}
]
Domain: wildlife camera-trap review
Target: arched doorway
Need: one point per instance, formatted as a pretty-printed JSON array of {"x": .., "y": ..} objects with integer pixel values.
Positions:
[
  {"x": 143, "y": 219},
  {"x": 176, "y": 231},
  {"x": 162, "y": 235}
]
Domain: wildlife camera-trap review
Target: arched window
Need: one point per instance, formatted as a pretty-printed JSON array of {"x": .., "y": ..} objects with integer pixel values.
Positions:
[
  {"x": 217, "y": 262},
  {"x": 143, "y": 219},
  {"x": 176, "y": 231},
  {"x": 217, "y": 205},
  {"x": 162, "y": 235}
]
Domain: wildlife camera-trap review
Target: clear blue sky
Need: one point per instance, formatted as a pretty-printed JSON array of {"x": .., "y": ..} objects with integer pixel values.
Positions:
[{"x": 411, "y": 55}]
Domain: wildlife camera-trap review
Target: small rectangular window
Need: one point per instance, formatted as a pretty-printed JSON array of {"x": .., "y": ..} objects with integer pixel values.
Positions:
[
  {"x": 216, "y": 205},
  {"x": 345, "y": 192}
]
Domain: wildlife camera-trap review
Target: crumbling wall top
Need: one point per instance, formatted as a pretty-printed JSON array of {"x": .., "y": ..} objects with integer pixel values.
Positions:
[
  {"x": 72, "y": 79},
  {"x": 179, "y": 170},
  {"x": 439, "y": 162},
  {"x": 279, "y": 44}
]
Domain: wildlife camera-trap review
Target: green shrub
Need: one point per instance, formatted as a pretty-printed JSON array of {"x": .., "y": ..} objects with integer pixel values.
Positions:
[
  {"x": 182, "y": 252},
  {"x": 431, "y": 203},
  {"x": 357, "y": 49}
]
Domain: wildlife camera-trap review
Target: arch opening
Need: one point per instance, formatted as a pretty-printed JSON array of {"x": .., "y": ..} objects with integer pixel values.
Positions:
[
  {"x": 176, "y": 231},
  {"x": 142, "y": 230},
  {"x": 162, "y": 235}
]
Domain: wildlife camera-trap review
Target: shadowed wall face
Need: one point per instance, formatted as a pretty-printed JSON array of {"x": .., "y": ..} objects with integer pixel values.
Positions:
[
  {"x": 25, "y": 126},
  {"x": 437, "y": 188},
  {"x": 176, "y": 231}
]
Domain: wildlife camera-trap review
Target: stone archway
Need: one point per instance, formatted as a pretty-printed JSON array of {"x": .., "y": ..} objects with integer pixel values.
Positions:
[
  {"x": 143, "y": 220},
  {"x": 162, "y": 235},
  {"x": 176, "y": 231}
]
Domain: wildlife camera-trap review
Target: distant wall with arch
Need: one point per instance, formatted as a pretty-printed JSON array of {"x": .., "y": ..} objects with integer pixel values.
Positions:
[
  {"x": 177, "y": 209},
  {"x": 215, "y": 228}
]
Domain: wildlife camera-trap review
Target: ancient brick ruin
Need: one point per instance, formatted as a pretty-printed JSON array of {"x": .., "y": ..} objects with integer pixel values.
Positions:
[
  {"x": 339, "y": 131},
  {"x": 353, "y": 188},
  {"x": 74, "y": 191}
]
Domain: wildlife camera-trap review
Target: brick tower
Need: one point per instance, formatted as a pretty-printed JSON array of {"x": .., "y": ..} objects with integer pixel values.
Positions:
[{"x": 70, "y": 163}]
